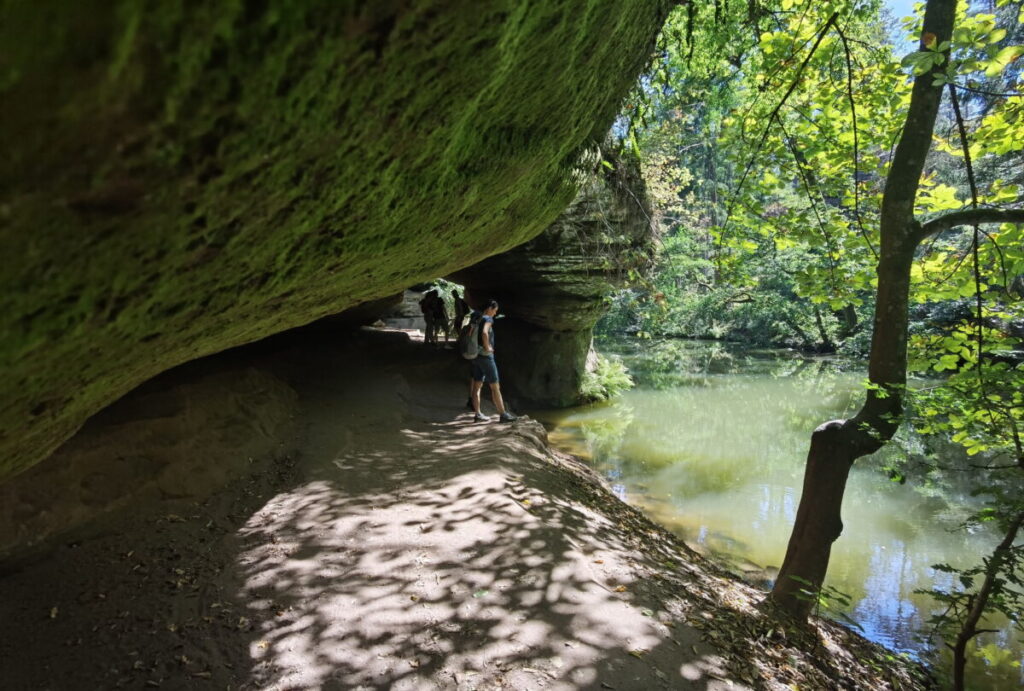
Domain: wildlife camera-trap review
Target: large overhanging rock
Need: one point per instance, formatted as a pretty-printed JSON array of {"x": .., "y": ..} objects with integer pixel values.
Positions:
[
  {"x": 554, "y": 288},
  {"x": 179, "y": 178}
]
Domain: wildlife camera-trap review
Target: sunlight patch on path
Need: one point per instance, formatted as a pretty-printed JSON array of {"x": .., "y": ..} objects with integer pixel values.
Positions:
[{"x": 437, "y": 562}]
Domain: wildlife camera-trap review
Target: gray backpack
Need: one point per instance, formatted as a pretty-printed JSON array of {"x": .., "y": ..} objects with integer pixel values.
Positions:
[{"x": 469, "y": 337}]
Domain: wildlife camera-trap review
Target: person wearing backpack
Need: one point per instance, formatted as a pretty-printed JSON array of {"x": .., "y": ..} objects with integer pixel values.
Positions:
[{"x": 476, "y": 343}]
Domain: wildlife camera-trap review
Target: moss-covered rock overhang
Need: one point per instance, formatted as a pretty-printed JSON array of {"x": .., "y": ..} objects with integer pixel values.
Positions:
[
  {"x": 177, "y": 178},
  {"x": 561, "y": 279}
]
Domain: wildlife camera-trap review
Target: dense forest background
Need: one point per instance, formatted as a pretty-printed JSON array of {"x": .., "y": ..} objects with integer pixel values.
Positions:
[{"x": 831, "y": 178}]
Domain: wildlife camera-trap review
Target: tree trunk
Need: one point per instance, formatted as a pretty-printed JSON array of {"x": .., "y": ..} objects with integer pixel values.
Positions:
[
  {"x": 806, "y": 341},
  {"x": 818, "y": 521},
  {"x": 837, "y": 444},
  {"x": 827, "y": 346},
  {"x": 970, "y": 627}
]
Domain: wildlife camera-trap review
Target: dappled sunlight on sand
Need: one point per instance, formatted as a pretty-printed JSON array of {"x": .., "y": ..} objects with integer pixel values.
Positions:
[{"x": 432, "y": 563}]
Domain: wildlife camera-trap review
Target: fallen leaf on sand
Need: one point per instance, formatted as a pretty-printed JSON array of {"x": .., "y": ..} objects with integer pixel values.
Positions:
[
  {"x": 599, "y": 561},
  {"x": 621, "y": 589}
]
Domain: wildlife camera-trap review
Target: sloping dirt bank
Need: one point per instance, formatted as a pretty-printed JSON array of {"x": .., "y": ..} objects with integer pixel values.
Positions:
[{"x": 403, "y": 546}]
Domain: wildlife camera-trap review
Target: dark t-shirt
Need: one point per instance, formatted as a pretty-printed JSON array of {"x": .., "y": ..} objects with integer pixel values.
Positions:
[{"x": 484, "y": 320}]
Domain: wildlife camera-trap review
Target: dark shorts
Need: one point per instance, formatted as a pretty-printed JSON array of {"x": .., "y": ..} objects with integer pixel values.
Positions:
[{"x": 483, "y": 369}]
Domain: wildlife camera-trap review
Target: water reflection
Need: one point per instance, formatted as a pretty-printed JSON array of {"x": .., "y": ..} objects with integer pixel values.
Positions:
[{"x": 712, "y": 445}]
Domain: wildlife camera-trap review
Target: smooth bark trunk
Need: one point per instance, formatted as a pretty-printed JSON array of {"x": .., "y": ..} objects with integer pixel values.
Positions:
[{"x": 837, "y": 444}]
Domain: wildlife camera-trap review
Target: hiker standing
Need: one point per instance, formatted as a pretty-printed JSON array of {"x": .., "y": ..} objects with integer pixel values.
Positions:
[
  {"x": 484, "y": 369},
  {"x": 461, "y": 310},
  {"x": 426, "y": 307},
  {"x": 440, "y": 318}
]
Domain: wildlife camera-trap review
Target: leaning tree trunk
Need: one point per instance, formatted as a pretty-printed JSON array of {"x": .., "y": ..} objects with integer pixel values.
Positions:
[{"x": 836, "y": 445}]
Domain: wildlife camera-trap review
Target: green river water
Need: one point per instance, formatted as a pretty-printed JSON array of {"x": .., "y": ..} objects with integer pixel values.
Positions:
[{"x": 712, "y": 443}]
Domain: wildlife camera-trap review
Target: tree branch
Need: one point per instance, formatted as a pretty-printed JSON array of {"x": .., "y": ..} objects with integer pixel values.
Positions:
[
  {"x": 771, "y": 118},
  {"x": 979, "y": 300},
  {"x": 856, "y": 145},
  {"x": 970, "y": 217}
]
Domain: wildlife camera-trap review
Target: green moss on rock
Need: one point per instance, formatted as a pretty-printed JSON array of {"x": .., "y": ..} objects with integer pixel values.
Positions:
[{"x": 180, "y": 177}]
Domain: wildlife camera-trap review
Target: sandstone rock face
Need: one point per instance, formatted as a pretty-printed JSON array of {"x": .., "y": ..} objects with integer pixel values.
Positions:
[
  {"x": 554, "y": 287},
  {"x": 181, "y": 436},
  {"x": 180, "y": 178}
]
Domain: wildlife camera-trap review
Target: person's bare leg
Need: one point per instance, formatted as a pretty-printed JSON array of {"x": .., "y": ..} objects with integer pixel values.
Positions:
[
  {"x": 496, "y": 397},
  {"x": 474, "y": 394}
]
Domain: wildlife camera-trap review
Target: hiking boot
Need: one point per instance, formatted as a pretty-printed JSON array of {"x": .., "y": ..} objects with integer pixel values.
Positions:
[
  {"x": 480, "y": 417},
  {"x": 507, "y": 417}
]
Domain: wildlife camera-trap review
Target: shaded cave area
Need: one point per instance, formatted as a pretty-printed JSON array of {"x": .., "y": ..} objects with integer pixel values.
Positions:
[
  {"x": 263, "y": 516},
  {"x": 200, "y": 426}
]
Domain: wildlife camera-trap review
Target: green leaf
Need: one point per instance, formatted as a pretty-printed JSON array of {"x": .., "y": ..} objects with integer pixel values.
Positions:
[{"x": 1003, "y": 58}]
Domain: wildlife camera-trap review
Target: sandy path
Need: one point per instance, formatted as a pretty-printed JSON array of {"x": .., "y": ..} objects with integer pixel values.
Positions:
[
  {"x": 422, "y": 550},
  {"x": 406, "y": 547}
]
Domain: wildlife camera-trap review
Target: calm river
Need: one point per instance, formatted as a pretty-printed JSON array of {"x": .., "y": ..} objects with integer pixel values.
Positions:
[{"x": 711, "y": 444}]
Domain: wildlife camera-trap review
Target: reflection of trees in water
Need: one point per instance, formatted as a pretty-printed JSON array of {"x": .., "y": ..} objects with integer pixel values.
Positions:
[
  {"x": 604, "y": 433},
  {"x": 663, "y": 364},
  {"x": 677, "y": 442}
]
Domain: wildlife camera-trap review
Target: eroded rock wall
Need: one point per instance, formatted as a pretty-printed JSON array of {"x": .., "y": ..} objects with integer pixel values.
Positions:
[
  {"x": 180, "y": 178},
  {"x": 182, "y": 436},
  {"x": 553, "y": 289}
]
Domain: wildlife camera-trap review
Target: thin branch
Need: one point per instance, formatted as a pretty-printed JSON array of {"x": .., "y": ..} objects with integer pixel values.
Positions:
[
  {"x": 774, "y": 114},
  {"x": 810, "y": 197},
  {"x": 970, "y": 217},
  {"x": 986, "y": 93},
  {"x": 1002, "y": 259},
  {"x": 856, "y": 145},
  {"x": 824, "y": 133},
  {"x": 959, "y": 263}
]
